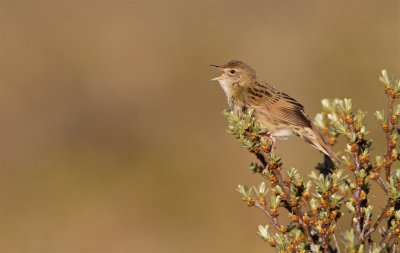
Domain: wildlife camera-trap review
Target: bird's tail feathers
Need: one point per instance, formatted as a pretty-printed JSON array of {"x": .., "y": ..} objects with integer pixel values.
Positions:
[{"x": 316, "y": 140}]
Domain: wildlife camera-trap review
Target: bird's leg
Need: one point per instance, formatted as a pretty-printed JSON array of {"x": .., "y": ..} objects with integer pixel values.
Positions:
[{"x": 271, "y": 138}]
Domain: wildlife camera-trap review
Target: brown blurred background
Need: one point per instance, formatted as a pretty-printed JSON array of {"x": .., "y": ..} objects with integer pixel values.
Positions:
[{"x": 112, "y": 138}]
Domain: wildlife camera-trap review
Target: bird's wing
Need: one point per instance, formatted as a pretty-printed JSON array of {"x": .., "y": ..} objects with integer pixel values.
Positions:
[
  {"x": 277, "y": 105},
  {"x": 280, "y": 107}
]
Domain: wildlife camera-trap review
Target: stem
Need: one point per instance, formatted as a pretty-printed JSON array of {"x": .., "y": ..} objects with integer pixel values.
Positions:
[
  {"x": 386, "y": 237},
  {"x": 382, "y": 184},
  {"x": 358, "y": 188},
  {"x": 281, "y": 183},
  {"x": 379, "y": 180},
  {"x": 388, "y": 137},
  {"x": 285, "y": 189},
  {"x": 336, "y": 243},
  {"x": 326, "y": 244},
  {"x": 394, "y": 250},
  {"x": 274, "y": 221},
  {"x": 369, "y": 245},
  {"x": 296, "y": 210},
  {"x": 378, "y": 221}
]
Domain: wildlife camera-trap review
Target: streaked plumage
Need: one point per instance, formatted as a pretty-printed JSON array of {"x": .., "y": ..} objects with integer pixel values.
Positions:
[{"x": 277, "y": 112}]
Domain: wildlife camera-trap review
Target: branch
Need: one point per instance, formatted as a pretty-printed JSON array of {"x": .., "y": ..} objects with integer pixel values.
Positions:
[
  {"x": 274, "y": 221},
  {"x": 389, "y": 132},
  {"x": 382, "y": 184},
  {"x": 378, "y": 221},
  {"x": 336, "y": 243},
  {"x": 296, "y": 210}
]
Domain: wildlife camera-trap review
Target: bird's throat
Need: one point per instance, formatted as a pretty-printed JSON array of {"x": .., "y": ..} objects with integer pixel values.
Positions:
[{"x": 227, "y": 87}]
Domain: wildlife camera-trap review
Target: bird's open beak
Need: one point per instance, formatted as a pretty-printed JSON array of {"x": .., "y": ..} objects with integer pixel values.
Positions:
[{"x": 216, "y": 78}]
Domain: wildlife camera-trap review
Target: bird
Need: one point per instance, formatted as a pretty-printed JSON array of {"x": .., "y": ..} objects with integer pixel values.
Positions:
[{"x": 280, "y": 115}]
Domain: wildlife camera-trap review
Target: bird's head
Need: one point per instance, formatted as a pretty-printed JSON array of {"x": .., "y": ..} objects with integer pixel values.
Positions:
[
  {"x": 235, "y": 74},
  {"x": 235, "y": 78}
]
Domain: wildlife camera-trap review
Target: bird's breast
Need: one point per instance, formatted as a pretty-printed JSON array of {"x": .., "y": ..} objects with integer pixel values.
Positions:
[{"x": 282, "y": 133}]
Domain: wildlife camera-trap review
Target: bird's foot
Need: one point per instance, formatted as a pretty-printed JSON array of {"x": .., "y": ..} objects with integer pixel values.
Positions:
[{"x": 271, "y": 139}]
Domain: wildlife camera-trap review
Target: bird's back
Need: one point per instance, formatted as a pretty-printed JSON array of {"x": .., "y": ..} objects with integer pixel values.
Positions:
[{"x": 275, "y": 110}]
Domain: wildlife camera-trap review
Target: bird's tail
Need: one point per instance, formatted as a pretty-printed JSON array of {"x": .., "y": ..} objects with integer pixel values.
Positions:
[{"x": 314, "y": 137}]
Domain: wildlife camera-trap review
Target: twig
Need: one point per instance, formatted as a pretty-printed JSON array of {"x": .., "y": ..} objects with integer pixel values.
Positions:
[
  {"x": 358, "y": 188},
  {"x": 336, "y": 243},
  {"x": 369, "y": 245},
  {"x": 296, "y": 210},
  {"x": 394, "y": 250},
  {"x": 326, "y": 243},
  {"x": 285, "y": 189},
  {"x": 275, "y": 222},
  {"x": 378, "y": 221},
  {"x": 386, "y": 237},
  {"x": 389, "y": 133},
  {"x": 382, "y": 184}
]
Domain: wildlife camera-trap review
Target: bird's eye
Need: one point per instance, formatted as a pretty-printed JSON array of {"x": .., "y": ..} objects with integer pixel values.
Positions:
[{"x": 232, "y": 71}]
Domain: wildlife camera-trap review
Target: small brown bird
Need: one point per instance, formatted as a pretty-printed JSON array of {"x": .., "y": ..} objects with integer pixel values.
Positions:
[{"x": 276, "y": 112}]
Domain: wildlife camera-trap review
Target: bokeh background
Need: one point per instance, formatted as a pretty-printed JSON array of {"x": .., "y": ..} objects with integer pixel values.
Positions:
[{"x": 112, "y": 138}]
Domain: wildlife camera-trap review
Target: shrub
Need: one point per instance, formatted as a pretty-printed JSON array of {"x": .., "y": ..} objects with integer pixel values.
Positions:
[{"x": 316, "y": 204}]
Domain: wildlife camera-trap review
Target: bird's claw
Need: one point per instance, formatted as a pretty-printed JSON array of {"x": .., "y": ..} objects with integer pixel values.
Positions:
[{"x": 271, "y": 138}]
